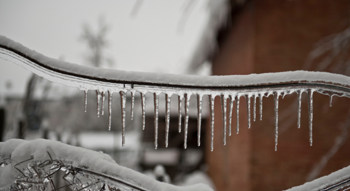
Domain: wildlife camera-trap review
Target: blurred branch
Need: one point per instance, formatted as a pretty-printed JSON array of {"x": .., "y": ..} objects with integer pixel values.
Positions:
[
  {"x": 136, "y": 8},
  {"x": 96, "y": 43},
  {"x": 338, "y": 142}
]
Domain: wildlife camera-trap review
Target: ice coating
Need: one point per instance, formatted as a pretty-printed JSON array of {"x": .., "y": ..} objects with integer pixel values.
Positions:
[
  {"x": 237, "y": 114},
  {"x": 179, "y": 108},
  {"x": 167, "y": 119},
  {"x": 247, "y": 98},
  {"x": 224, "y": 108},
  {"x": 230, "y": 116},
  {"x": 187, "y": 104},
  {"x": 123, "y": 114},
  {"x": 199, "y": 119},
  {"x": 103, "y": 103},
  {"x": 156, "y": 108},
  {"x": 254, "y": 107},
  {"x": 330, "y": 100},
  {"x": 260, "y": 106},
  {"x": 98, "y": 97},
  {"x": 275, "y": 97},
  {"x": 85, "y": 100},
  {"x": 102, "y": 80},
  {"x": 143, "y": 107},
  {"x": 300, "y": 93},
  {"x": 132, "y": 105},
  {"x": 310, "y": 107},
  {"x": 110, "y": 96},
  {"x": 211, "y": 107}
]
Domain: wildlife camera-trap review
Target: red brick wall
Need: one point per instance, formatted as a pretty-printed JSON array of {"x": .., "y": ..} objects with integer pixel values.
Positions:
[
  {"x": 272, "y": 36},
  {"x": 229, "y": 166}
]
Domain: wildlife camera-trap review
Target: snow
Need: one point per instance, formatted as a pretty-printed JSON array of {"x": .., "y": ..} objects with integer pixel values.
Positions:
[
  {"x": 325, "y": 181},
  {"x": 20, "y": 150},
  {"x": 101, "y": 74},
  {"x": 196, "y": 178}
]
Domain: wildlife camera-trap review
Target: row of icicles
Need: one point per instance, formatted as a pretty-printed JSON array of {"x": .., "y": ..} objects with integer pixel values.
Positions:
[{"x": 100, "y": 111}]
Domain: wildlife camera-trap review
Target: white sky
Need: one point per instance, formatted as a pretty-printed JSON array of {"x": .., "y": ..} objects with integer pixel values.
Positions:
[{"x": 149, "y": 42}]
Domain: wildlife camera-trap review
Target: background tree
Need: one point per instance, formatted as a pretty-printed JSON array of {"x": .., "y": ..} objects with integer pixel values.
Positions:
[{"x": 97, "y": 43}]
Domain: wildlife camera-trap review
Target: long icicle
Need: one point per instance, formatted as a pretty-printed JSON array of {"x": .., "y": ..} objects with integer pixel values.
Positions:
[
  {"x": 300, "y": 93},
  {"x": 247, "y": 98},
  {"x": 230, "y": 117},
  {"x": 103, "y": 103},
  {"x": 143, "y": 107},
  {"x": 330, "y": 100},
  {"x": 180, "y": 107},
  {"x": 223, "y": 109},
  {"x": 122, "y": 104},
  {"x": 85, "y": 100},
  {"x": 98, "y": 97},
  {"x": 132, "y": 105},
  {"x": 167, "y": 119},
  {"x": 310, "y": 103},
  {"x": 110, "y": 96},
  {"x": 199, "y": 118},
  {"x": 275, "y": 96},
  {"x": 211, "y": 107},
  {"x": 261, "y": 106},
  {"x": 237, "y": 113},
  {"x": 187, "y": 103},
  {"x": 254, "y": 107},
  {"x": 156, "y": 107}
]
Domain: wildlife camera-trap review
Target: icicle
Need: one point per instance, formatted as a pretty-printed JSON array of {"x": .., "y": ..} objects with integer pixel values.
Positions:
[
  {"x": 143, "y": 105},
  {"x": 230, "y": 116},
  {"x": 330, "y": 101},
  {"x": 223, "y": 109},
  {"x": 187, "y": 103},
  {"x": 156, "y": 105},
  {"x": 103, "y": 103},
  {"x": 132, "y": 105},
  {"x": 310, "y": 100},
  {"x": 110, "y": 96},
  {"x": 122, "y": 104},
  {"x": 237, "y": 114},
  {"x": 247, "y": 98},
  {"x": 167, "y": 119},
  {"x": 300, "y": 93},
  {"x": 180, "y": 115},
  {"x": 275, "y": 96},
  {"x": 254, "y": 107},
  {"x": 85, "y": 100},
  {"x": 261, "y": 106},
  {"x": 211, "y": 107},
  {"x": 199, "y": 119},
  {"x": 98, "y": 97}
]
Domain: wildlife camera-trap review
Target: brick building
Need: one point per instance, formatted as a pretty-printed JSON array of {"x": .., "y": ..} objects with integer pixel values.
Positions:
[{"x": 272, "y": 36}]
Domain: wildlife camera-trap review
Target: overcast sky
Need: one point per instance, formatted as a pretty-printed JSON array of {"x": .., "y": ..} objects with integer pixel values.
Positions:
[{"x": 149, "y": 41}]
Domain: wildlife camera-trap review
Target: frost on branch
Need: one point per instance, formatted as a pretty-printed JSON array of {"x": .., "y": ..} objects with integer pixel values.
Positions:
[{"x": 230, "y": 88}]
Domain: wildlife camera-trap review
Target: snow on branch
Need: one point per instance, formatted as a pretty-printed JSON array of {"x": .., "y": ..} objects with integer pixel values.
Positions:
[
  {"x": 107, "y": 81},
  {"x": 32, "y": 164}
]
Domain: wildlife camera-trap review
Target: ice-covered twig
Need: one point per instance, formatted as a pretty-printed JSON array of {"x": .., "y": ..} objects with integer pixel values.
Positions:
[{"x": 107, "y": 80}]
